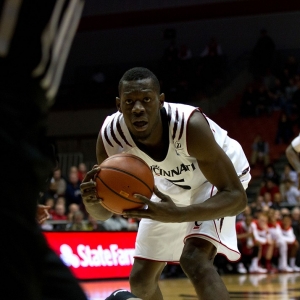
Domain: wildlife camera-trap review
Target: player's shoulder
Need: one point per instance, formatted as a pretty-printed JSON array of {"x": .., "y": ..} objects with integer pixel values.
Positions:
[
  {"x": 111, "y": 119},
  {"x": 296, "y": 143},
  {"x": 178, "y": 114},
  {"x": 177, "y": 110}
]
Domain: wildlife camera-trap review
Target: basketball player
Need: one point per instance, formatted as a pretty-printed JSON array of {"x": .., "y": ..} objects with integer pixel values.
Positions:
[
  {"x": 35, "y": 37},
  {"x": 292, "y": 154},
  {"x": 200, "y": 176}
]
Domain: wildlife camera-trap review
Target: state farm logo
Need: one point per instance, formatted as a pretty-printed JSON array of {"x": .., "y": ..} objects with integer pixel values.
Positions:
[{"x": 87, "y": 257}]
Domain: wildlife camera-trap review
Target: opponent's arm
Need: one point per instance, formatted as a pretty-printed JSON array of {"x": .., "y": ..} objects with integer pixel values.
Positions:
[{"x": 88, "y": 187}]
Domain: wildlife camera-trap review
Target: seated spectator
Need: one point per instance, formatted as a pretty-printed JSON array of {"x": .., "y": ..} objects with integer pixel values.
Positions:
[
  {"x": 285, "y": 211},
  {"x": 281, "y": 245},
  {"x": 269, "y": 187},
  {"x": 258, "y": 206},
  {"x": 245, "y": 243},
  {"x": 290, "y": 239},
  {"x": 264, "y": 245},
  {"x": 116, "y": 223},
  {"x": 289, "y": 173},
  {"x": 82, "y": 170},
  {"x": 296, "y": 217},
  {"x": 59, "y": 212},
  {"x": 78, "y": 223},
  {"x": 73, "y": 169},
  {"x": 73, "y": 193},
  {"x": 268, "y": 199},
  {"x": 58, "y": 184},
  {"x": 73, "y": 207},
  {"x": 260, "y": 152},
  {"x": 290, "y": 193},
  {"x": 94, "y": 225},
  {"x": 276, "y": 204},
  {"x": 61, "y": 200},
  {"x": 271, "y": 173}
]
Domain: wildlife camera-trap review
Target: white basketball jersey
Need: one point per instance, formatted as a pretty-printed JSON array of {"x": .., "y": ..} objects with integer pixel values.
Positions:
[
  {"x": 179, "y": 177},
  {"x": 178, "y": 166}
]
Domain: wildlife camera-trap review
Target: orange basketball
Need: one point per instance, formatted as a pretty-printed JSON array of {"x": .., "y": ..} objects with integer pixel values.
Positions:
[{"x": 120, "y": 177}]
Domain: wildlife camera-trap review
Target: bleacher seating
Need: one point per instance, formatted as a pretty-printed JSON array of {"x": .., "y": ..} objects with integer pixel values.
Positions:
[{"x": 244, "y": 130}]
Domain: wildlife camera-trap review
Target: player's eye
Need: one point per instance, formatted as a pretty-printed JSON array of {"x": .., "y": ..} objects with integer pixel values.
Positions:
[
  {"x": 147, "y": 99},
  {"x": 128, "y": 101}
]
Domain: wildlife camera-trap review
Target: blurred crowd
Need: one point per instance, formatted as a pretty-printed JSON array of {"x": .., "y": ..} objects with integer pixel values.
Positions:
[
  {"x": 67, "y": 212},
  {"x": 268, "y": 239}
]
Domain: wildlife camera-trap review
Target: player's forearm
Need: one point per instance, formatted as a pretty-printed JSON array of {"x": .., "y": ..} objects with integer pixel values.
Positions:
[
  {"x": 98, "y": 212},
  {"x": 223, "y": 204}
]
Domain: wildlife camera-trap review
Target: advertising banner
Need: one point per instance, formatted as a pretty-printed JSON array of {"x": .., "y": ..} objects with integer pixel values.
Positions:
[{"x": 94, "y": 255}]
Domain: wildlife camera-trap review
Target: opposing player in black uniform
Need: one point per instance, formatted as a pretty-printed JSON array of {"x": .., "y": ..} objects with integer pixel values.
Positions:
[{"x": 35, "y": 38}]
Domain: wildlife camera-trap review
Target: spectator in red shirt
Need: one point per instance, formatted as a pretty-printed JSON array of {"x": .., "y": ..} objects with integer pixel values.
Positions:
[
  {"x": 82, "y": 170},
  {"x": 245, "y": 243},
  {"x": 59, "y": 212}
]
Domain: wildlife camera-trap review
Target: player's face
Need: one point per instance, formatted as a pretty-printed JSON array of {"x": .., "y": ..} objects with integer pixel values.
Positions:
[{"x": 140, "y": 104}]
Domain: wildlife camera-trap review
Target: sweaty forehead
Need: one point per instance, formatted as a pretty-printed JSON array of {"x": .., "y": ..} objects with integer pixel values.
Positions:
[{"x": 141, "y": 85}]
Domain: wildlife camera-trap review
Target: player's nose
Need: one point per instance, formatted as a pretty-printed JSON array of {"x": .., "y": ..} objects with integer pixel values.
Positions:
[{"x": 138, "y": 107}]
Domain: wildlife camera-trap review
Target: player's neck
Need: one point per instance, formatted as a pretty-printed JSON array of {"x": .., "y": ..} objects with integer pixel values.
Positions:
[{"x": 157, "y": 147}]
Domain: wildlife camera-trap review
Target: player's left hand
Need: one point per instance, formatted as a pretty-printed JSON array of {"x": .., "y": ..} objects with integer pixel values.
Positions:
[{"x": 164, "y": 211}]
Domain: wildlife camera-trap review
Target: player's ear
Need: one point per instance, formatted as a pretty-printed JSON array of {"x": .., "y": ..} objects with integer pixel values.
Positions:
[
  {"x": 118, "y": 104},
  {"x": 162, "y": 99}
]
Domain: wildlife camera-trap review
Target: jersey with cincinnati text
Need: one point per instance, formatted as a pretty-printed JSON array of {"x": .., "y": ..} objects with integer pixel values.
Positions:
[{"x": 178, "y": 166}]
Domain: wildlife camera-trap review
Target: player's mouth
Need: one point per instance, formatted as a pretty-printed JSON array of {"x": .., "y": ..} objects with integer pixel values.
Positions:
[{"x": 140, "y": 125}]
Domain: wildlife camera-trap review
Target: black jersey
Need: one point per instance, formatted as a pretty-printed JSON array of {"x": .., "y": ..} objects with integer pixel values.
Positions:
[{"x": 35, "y": 37}]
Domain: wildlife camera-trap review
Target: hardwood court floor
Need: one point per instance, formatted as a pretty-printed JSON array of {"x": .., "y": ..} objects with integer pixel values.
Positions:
[{"x": 256, "y": 286}]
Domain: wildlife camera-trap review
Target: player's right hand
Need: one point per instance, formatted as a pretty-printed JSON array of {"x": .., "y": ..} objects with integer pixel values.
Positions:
[{"x": 88, "y": 187}]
